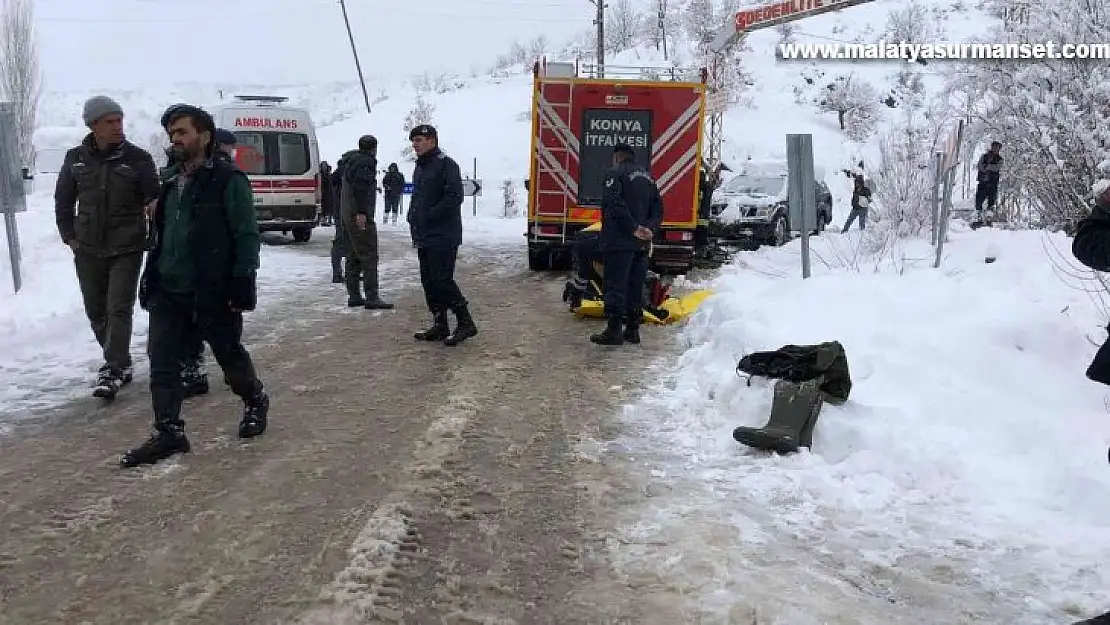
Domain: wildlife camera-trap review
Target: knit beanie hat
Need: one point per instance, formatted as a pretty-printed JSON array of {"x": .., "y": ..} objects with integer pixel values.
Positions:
[{"x": 100, "y": 106}]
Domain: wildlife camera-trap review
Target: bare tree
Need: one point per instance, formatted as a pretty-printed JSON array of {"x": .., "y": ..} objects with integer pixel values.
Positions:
[
  {"x": 903, "y": 183},
  {"x": 509, "y": 198},
  {"x": 20, "y": 76},
  {"x": 910, "y": 24},
  {"x": 624, "y": 26},
  {"x": 855, "y": 103},
  {"x": 421, "y": 113}
]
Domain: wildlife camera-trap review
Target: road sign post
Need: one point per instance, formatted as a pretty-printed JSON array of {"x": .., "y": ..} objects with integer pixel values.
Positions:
[
  {"x": 474, "y": 198},
  {"x": 802, "y": 197},
  {"x": 12, "y": 196},
  {"x": 472, "y": 187}
]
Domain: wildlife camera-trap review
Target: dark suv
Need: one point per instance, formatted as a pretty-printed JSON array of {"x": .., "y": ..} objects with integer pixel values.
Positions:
[{"x": 753, "y": 208}]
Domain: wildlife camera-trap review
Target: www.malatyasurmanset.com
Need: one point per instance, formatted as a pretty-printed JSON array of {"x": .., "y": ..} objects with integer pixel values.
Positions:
[{"x": 954, "y": 51}]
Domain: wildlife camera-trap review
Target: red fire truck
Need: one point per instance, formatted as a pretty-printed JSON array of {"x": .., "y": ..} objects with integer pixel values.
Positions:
[{"x": 576, "y": 121}]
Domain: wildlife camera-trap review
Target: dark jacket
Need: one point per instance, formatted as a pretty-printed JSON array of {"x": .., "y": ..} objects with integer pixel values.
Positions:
[
  {"x": 217, "y": 244},
  {"x": 358, "y": 193},
  {"x": 860, "y": 189},
  {"x": 109, "y": 191},
  {"x": 393, "y": 183},
  {"x": 435, "y": 210},
  {"x": 1091, "y": 245},
  {"x": 327, "y": 194},
  {"x": 631, "y": 200},
  {"x": 990, "y": 168}
]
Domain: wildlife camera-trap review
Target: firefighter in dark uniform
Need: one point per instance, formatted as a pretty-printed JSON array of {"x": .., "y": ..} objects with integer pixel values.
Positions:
[{"x": 631, "y": 213}]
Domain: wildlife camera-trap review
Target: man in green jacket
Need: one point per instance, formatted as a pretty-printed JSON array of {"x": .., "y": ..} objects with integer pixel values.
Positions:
[
  {"x": 200, "y": 276},
  {"x": 103, "y": 189}
]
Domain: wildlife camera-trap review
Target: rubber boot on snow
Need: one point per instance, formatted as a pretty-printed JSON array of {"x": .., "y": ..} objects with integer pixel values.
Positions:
[
  {"x": 438, "y": 331},
  {"x": 794, "y": 413}
]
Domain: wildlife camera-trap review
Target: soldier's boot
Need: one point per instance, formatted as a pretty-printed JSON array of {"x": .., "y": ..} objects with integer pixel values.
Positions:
[
  {"x": 464, "y": 329},
  {"x": 611, "y": 335},
  {"x": 370, "y": 285},
  {"x": 194, "y": 379},
  {"x": 354, "y": 294},
  {"x": 794, "y": 413},
  {"x": 438, "y": 331},
  {"x": 632, "y": 329}
]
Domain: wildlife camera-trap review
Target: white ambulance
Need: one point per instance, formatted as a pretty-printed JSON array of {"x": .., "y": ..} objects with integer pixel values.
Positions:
[{"x": 276, "y": 148}]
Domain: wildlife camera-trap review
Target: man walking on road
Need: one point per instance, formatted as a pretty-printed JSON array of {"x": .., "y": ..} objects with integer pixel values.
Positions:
[
  {"x": 200, "y": 276},
  {"x": 194, "y": 374},
  {"x": 110, "y": 182},
  {"x": 358, "y": 197},
  {"x": 631, "y": 213},
  {"x": 393, "y": 183},
  {"x": 435, "y": 220},
  {"x": 989, "y": 172}
]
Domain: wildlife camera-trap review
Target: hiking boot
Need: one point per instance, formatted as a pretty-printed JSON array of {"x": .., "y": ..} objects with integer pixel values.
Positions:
[
  {"x": 794, "y": 413},
  {"x": 126, "y": 375},
  {"x": 376, "y": 303},
  {"x": 355, "y": 302},
  {"x": 611, "y": 335},
  {"x": 255, "y": 412},
  {"x": 465, "y": 328},
  {"x": 108, "y": 383},
  {"x": 438, "y": 331},
  {"x": 161, "y": 445}
]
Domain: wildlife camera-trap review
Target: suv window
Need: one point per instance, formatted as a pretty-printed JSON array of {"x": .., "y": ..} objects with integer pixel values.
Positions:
[{"x": 273, "y": 153}]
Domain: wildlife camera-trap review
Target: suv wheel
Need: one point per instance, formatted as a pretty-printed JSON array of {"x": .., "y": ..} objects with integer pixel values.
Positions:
[
  {"x": 302, "y": 235},
  {"x": 822, "y": 221}
]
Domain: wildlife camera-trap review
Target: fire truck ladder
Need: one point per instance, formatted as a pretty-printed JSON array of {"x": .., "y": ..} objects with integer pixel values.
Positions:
[{"x": 561, "y": 153}]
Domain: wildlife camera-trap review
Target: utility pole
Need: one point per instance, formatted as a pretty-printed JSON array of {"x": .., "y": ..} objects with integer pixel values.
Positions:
[
  {"x": 663, "y": 26},
  {"x": 600, "y": 22},
  {"x": 354, "y": 52}
]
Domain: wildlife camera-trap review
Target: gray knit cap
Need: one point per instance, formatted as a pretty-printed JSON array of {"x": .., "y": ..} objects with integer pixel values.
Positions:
[{"x": 100, "y": 106}]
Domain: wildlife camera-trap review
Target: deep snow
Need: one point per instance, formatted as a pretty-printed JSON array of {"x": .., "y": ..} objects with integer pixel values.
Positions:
[{"x": 964, "y": 481}]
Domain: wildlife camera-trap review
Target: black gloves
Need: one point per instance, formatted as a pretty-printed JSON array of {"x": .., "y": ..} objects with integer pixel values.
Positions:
[{"x": 243, "y": 295}]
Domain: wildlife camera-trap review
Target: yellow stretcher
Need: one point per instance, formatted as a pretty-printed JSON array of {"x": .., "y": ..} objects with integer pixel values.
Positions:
[{"x": 678, "y": 307}]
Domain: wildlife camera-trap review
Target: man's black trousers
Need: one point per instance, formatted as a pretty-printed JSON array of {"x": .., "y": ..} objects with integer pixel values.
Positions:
[
  {"x": 437, "y": 275},
  {"x": 624, "y": 277},
  {"x": 986, "y": 191},
  {"x": 173, "y": 320}
]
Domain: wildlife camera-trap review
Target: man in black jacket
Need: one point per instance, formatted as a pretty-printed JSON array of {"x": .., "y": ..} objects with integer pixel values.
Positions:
[
  {"x": 200, "y": 276},
  {"x": 340, "y": 248},
  {"x": 989, "y": 172},
  {"x": 327, "y": 204},
  {"x": 104, "y": 189},
  {"x": 631, "y": 213},
  {"x": 1091, "y": 247},
  {"x": 358, "y": 198},
  {"x": 393, "y": 185},
  {"x": 435, "y": 219}
]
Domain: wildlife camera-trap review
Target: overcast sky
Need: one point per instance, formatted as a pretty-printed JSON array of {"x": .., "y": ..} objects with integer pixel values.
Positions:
[{"x": 125, "y": 43}]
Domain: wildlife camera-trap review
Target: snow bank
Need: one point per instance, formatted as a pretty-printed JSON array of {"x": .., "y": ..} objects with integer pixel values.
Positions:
[{"x": 965, "y": 477}]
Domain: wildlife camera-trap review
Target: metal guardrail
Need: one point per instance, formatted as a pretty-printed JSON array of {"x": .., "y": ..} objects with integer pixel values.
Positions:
[{"x": 641, "y": 72}]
